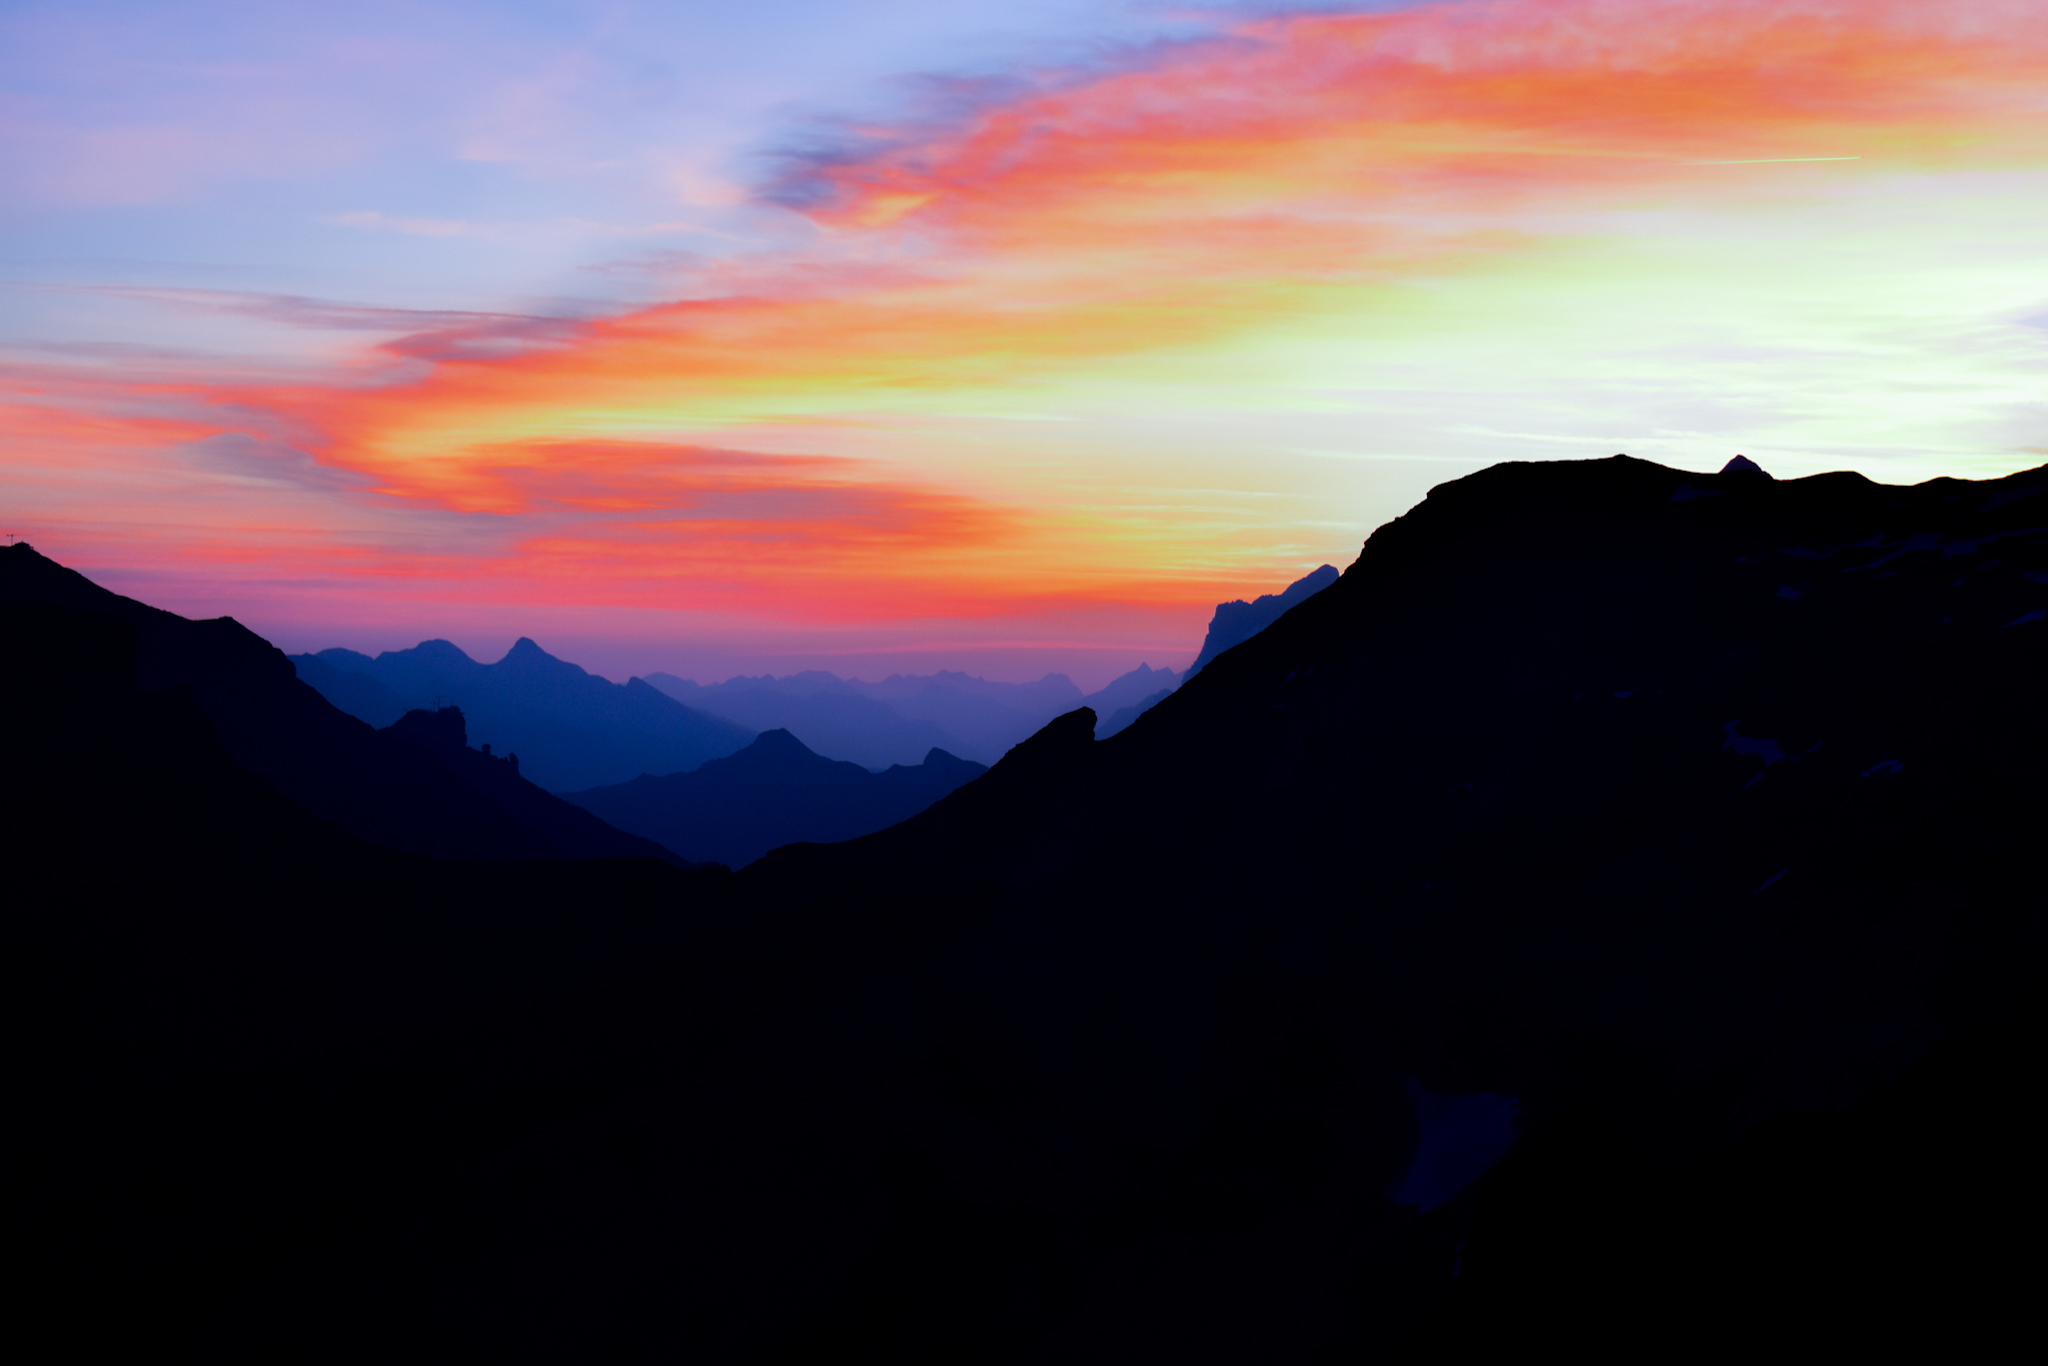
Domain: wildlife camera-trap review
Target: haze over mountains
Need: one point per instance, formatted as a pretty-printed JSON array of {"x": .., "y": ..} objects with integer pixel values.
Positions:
[
  {"x": 773, "y": 792},
  {"x": 897, "y": 719},
  {"x": 575, "y": 730},
  {"x": 1610, "y": 915},
  {"x": 699, "y": 782},
  {"x": 570, "y": 728}
]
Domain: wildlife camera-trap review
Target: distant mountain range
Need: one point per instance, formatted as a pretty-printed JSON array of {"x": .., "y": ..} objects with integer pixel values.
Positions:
[
  {"x": 570, "y": 728},
  {"x": 773, "y": 792},
  {"x": 895, "y": 721},
  {"x": 576, "y": 731}
]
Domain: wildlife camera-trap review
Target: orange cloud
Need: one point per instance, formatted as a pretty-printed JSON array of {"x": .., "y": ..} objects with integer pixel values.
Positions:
[
  {"x": 1155, "y": 208},
  {"x": 1196, "y": 195},
  {"x": 1454, "y": 106}
]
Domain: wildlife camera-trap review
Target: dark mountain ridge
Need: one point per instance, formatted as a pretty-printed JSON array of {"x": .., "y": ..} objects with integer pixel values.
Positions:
[
  {"x": 571, "y": 728},
  {"x": 370, "y": 784},
  {"x": 442, "y": 737},
  {"x": 1669, "y": 841},
  {"x": 210, "y": 991},
  {"x": 774, "y": 792},
  {"x": 1661, "y": 809}
]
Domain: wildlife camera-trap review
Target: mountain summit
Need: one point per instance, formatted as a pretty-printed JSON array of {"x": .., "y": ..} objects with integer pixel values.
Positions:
[{"x": 774, "y": 792}]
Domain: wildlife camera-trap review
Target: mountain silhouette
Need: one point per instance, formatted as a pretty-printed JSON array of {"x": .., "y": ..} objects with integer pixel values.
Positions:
[
  {"x": 773, "y": 792},
  {"x": 829, "y": 714},
  {"x": 206, "y": 975},
  {"x": 894, "y": 721},
  {"x": 572, "y": 729},
  {"x": 1557, "y": 834},
  {"x": 1237, "y": 622},
  {"x": 1610, "y": 915},
  {"x": 1122, "y": 717},
  {"x": 442, "y": 737},
  {"x": 369, "y": 784}
]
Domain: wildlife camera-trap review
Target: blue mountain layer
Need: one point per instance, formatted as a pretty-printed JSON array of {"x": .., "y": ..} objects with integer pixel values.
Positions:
[
  {"x": 570, "y": 728},
  {"x": 774, "y": 792}
]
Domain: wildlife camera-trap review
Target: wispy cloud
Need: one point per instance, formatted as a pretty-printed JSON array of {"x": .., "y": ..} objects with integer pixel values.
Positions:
[{"x": 1269, "y": 219}]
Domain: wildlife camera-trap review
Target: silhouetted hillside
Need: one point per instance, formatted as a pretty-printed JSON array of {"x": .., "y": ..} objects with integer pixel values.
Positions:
[
  {"x": 890, "y": 722},
  {"x": 773, "y": 792},
  {"x": 1237, "y": 622},
  {"x": 1622, "y": 887},
  {"x": 442, "y": 736},
  {"x": 205, "y": 985},
  {"x": 1643, "y": 811},
  {"x": 1122, "y": 717},
  {"x": 358, "y": 694},
  {"x": 331, "y": 764},
  {"x": 571, "y": 728},
  {"x": 1129, "y": 697}
]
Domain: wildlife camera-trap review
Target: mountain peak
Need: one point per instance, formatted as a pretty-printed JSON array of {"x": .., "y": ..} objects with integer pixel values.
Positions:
[
  {"x": 1742, "y": 464},
  {"x": 780, "y": 741},
  {"x": 435, "y": 651},
  {"x": 526, "y": 655}
]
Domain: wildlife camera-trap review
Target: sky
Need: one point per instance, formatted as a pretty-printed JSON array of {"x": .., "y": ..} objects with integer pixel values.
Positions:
[{"x": 885, "y": 335}]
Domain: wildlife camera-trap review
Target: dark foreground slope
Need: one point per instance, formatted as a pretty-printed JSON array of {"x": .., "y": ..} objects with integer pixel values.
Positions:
[
  {"x": 1675, "y": 837},
  {"x": 1236, "y": 622},
  {"x": 773, "y": 792},
  {"x": 371, "y": 784},
  {"x": 442, "y": 738},
  {"x": 1668, "y": 807},
  {"x": 243, "y": 1045}
]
